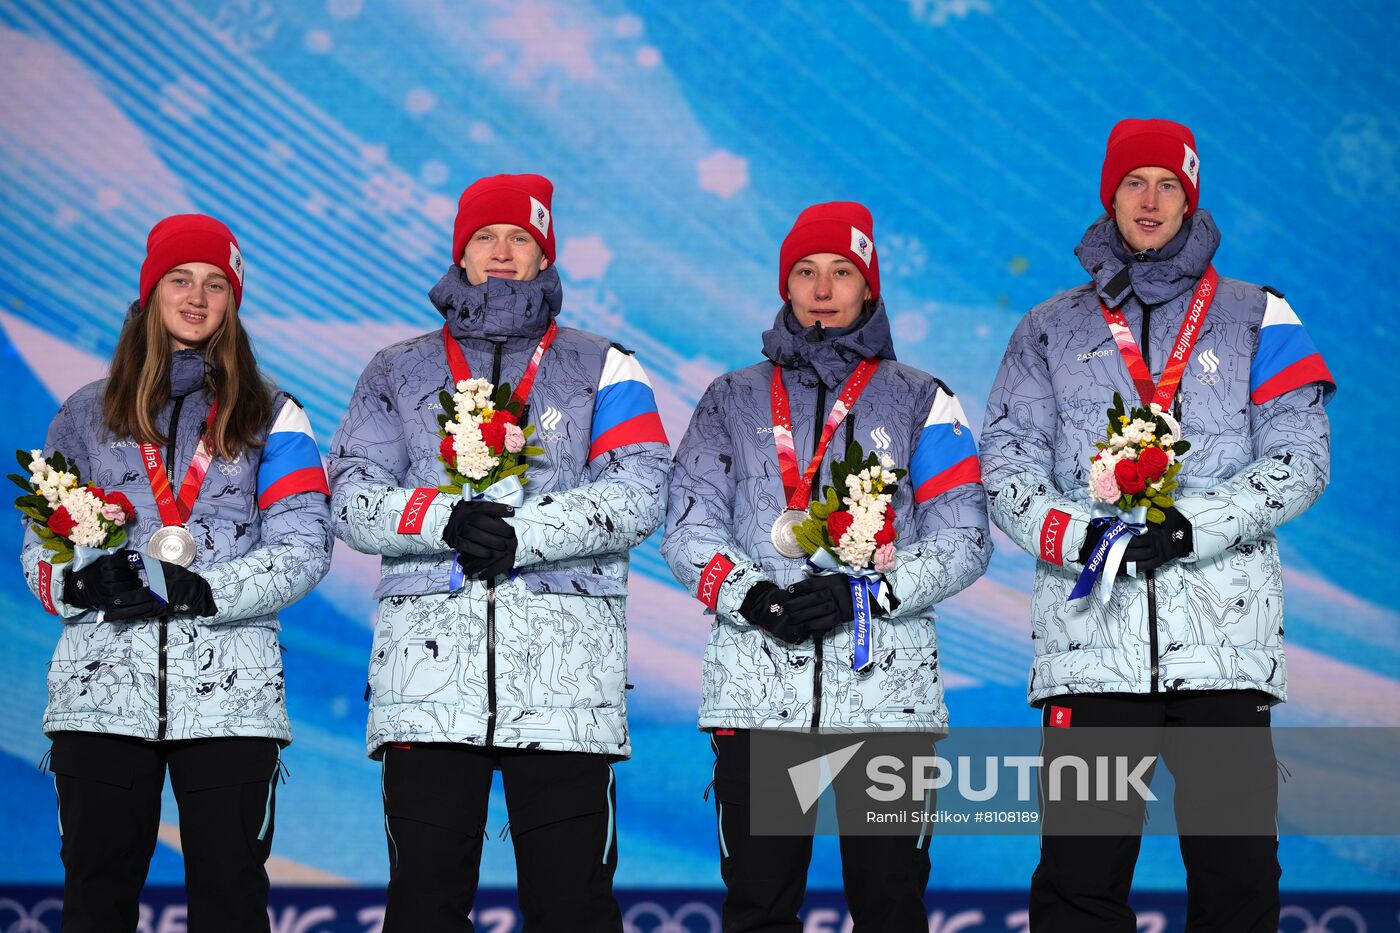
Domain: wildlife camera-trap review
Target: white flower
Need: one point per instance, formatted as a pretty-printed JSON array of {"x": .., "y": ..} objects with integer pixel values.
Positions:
[
  {"x": 474, "y": 458},
  {"x": 472, "y": 395},
  {"x": 857, "y": 546},
  {"x": 1155, "y": 408},
  {"x": 887, "y": 461}
]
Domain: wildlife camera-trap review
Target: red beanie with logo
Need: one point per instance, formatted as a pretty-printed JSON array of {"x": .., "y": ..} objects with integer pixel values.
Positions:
[
  {"x": 1135, "y": 143},
  {"x": 522, "y": 200},
  {"x": 190, "y": 238},
  {"x": 842, "y": 227}
]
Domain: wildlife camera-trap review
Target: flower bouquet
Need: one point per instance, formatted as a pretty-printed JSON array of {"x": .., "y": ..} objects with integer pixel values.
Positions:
[
  {"x": 68, "y": 515},
  {"x": 482, "y": 442},
  {"x": 1136, "y": 466},
  {"x": 850, "y": 530},
  {"x": 1131, "y": 480}
]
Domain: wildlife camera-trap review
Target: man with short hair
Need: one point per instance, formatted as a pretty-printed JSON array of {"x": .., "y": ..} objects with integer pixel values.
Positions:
[
  {"x": 1192, "y": 633},
  {"x": 501, "y": 636}
]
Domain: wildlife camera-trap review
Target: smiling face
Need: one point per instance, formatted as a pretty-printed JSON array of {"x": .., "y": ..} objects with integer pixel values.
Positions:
[
  {"x": 826, "y": 287},
  {"x": 1149, "y": 207},
  {"x": 194, "y": 297},
  {"x": 502, "y": 251}
]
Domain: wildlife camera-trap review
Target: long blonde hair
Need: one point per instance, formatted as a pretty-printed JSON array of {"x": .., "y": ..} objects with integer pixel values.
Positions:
[{"x": 139, "y": 383}]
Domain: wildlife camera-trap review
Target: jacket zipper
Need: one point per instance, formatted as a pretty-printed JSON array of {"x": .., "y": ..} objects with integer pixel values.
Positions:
[
  {"x": 1152, "y": 645},
  {"x": 163, "y": 645},
  {"x": 491, "y": 602},
  {"x": 818, "y": 421}
]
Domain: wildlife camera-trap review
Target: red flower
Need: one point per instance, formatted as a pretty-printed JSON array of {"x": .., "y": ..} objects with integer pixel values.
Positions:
[
  {"x": 493, "y": 432},
  {"x": 1129, "y": 477},
  {"x": 117, "y": 498},
  {"x": 1152, "y": 462},
  {"x": 838, "y": 523},
  {"x": 61, "y": 523},
  {"x": 886, "y": 534},
  {"x": 505, "y": 417},
  {"x": 447, "y": 451}
]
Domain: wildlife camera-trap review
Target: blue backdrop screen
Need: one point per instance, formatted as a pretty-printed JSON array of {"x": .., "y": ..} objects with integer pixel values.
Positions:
[{"x": 334, "y": 138}]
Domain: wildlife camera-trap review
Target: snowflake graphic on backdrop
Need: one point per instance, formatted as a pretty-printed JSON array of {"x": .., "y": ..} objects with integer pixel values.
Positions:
[
  {"x": 585, "y": 257},
  {"x": 551, "y": 46},
  {"x": 939, "y": 12},
  {"x": 246, "y": 24},
  {"x": 1360, "y": 157},
  {"x": 723, "y": 173},
  {"x": 901, "y": 255},
  {"x": 388, "y": 192}
]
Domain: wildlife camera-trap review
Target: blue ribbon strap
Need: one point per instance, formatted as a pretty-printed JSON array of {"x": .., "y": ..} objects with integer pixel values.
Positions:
[
  {"x": 1120, "y": 527},
  {"x": 866, "y": 594}
]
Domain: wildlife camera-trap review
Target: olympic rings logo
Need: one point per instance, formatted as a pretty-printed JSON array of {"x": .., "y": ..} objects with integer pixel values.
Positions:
[
  {"x": 694, "y": 917},
  {"x": 25, "y": 921},
  {"x": 1323, "y": 924}
]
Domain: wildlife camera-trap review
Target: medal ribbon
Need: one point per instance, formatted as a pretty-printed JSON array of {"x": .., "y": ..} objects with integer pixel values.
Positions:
[
  {"x": 461, "y": 371},
  {"x": 799, "y": 488},
  {"x": 868, "y": 590},
  {"x": 1119, "y": 529},
  {"x": 1164, "y": 392},
  {"x": 176, "y": 510}
]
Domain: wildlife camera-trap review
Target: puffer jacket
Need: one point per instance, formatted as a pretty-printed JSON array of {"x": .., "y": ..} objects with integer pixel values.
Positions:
[
  {"x": 728, "y": 490},
  {"x": 262, "y": 527},
  {"x": 1251, "y": 402},
  {"x": 538, "y": 660}
]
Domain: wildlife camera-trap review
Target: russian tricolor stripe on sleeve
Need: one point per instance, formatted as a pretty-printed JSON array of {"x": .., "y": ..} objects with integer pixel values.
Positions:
[
  {"x": 625, "y": 409},
  {"x": 1286, "y": 358},
  {"x": 946, "y": 454},
  {"x": 291, "y": 462}
]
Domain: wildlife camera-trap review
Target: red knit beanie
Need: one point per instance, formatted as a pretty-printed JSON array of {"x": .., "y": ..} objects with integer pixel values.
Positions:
[
  {"x": 522, "y": 200},
  {"x": 1135, "y": 143},
  {"x": 190, "y": 238},
  {"x": 842, "y": 227}
]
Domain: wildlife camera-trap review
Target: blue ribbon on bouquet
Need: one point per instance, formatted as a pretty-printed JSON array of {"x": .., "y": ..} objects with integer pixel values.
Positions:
[
  {"x": 509, "y": 491},
  {"x": 1120, "y": 527},
  {"x": 155, "y": 573},
  {"x": 866, "y": 593}
]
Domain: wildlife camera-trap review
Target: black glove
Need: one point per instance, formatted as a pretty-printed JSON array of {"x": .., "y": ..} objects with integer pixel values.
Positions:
[
  {"x": 189, "y": 593},
  {"x": 111, "y": 584},
  {"x": 1171, "y": 540},
  {"x": 835, "y": 585},
  {"x": 787, "y": 615},
  {"x": 484, "y": 541},
  {"x": 1092, "y": 537}
]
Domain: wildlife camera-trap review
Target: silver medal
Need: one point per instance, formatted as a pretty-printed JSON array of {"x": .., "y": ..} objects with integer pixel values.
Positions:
[
  {"x": 173, "y": 544},
  {"x": 784, "y": 533}
]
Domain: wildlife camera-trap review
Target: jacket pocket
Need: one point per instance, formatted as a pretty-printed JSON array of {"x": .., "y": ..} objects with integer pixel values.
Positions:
[
  {"x": 105, "y": 669},
  {"x": 236, "y": 675},
  {"x": 417, "y": 651},
  {"x": 906, "y": 676},
  {"x": 555, "y": 650}
]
